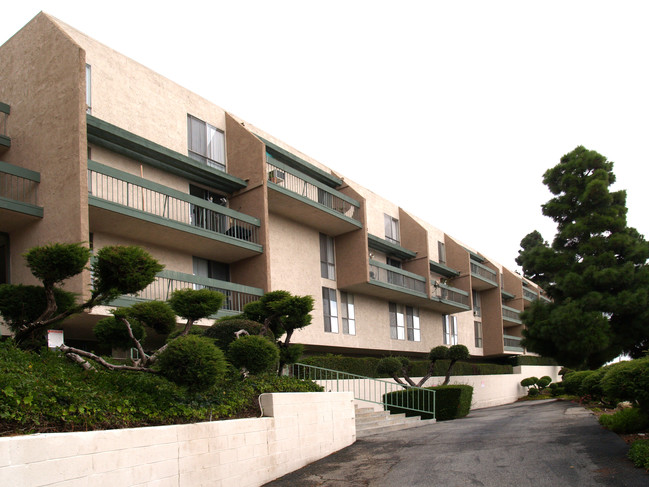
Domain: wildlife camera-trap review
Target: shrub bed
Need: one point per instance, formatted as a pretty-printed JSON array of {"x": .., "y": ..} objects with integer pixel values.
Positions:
[
  {"x": 639, "y": 453},
  {"x": 451, "y": 402},
  {"x": 47, "y": 393},
  {"x": 624, "y": 421}
]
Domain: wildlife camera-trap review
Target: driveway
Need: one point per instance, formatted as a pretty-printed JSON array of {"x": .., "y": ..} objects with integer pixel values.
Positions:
[{"x": 535, "y": 444}]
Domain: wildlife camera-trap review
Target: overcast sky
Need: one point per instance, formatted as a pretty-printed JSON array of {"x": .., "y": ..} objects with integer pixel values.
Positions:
[{"x": 452, "y": 110}]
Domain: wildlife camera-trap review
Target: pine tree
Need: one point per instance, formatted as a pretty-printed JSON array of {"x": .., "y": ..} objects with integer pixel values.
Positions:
[{"x": 595, "y": 271}]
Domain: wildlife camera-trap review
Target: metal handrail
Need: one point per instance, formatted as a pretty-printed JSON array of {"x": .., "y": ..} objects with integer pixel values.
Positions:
[{"x": 376, "y": 391}]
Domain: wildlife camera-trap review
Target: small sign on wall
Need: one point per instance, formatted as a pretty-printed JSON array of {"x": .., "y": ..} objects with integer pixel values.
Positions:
[{"x": 54, "y": 338}]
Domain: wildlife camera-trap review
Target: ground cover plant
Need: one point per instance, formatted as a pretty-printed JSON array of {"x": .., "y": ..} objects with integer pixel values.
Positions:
[{"x": 45, "y": 392}]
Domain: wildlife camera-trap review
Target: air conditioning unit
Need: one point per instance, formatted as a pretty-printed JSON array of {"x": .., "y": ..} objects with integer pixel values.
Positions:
[{"x": 276, "y": 176}]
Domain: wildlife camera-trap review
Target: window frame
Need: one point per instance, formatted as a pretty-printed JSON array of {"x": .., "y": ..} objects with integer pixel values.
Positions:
[
  {"x": 348, "y": 313},
  {"x": 477, "y": 331},
  {"x": 203, "y": 154},
  {"x": 328, "y": 260},
  {"x": 449, "y": 329},
  {"x": 330, "y": 313},
  {"x": 392, "y": 233}
]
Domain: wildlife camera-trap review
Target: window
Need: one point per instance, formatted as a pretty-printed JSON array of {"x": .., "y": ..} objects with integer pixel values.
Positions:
[
  {"x": 330, "y": 309},
  {"x": 327, "y": 266},
  {"x": 412, "y": 324},
  {"x": 391, "y": 229},
  {"x": 88, "y": 90},
  {"x": 404, "y": 322},
  {"x": 347, "y": 313},
  {"x": 205, "y": 143},
  {"x": 477, "y": 327},
  {"x": 450, "y": 329},
  {"x": 477, "y": 308},
  {"x": 441, "y": 252},
  {"x": 211, "y": 269}
]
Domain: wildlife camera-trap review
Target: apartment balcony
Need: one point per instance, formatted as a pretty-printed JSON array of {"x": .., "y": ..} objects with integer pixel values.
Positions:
[
  {"x": 302, "y": 198},
  {"x": 512, "y": 344},
  {"x": 449, "y": 299},
  {"x": 5, "y": 141},
  {"x": 483, "y": 277},
  {"x": 236, "y": 295},
  {"x": 529, "y": 296},
  {"x": 18, "y": 197},
  {"x": 511, "y": 316},
  {"x": 145, "y": 151},
  {"x": 129, "y": 206}
]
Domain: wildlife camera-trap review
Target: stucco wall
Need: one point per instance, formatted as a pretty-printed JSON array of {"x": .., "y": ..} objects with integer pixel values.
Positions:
[{"x": 301, "y": 428}]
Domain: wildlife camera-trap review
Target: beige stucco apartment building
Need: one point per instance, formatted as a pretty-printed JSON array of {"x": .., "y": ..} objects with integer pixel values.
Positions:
[{"x": 96, "y": 148}]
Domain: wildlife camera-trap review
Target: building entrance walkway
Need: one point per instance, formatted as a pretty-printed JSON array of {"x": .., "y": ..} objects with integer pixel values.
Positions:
[{"x": 535, "y": 444}]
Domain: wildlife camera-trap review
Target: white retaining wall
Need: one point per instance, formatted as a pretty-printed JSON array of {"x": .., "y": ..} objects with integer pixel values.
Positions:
[
  {"x": 488, "y": 390},
  {"x": 300, "y": 428}
]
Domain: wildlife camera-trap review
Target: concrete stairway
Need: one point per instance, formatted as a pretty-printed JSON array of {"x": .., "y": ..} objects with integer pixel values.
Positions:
[{"x": 370, "y": 422}]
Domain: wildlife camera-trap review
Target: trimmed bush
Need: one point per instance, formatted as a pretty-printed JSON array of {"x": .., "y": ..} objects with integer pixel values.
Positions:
[
  {"x": 628, "y": 381},
  {"x": 572, "y": 382},
  {"x": 223, "y": 331},
  {"x": 451, "y": 402},
  {"x": 192, "y": 361},
  {"x": 255, "y": 353},
  {"x": 533, "y": 392},
  {"x": 591, "y": 384},
  {"x": 389, "y": 366},
  {"x": 639, "y": 454},
  {"x": 627, "y": 420},
  {"x": 532, "y": 360}
]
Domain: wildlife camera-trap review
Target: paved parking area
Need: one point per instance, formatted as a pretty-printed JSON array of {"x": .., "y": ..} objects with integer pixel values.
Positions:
[{"x": 535, "y": 444}]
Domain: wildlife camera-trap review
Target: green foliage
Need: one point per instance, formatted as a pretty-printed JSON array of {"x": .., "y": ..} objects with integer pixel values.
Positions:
[
  {"x": 291, "y": 354},
  {"x": 529, "y": 381},
  {"x": 572, "y": 382},
  {"x": 628, "y": 381},
  {"x": 624, "y": 421},
  {"x": 367, "y": 366},
  {"x": 194, "y": 304},
  {"x": 21, "y": 305},
  {"x": 544, "y": 382},
  {"x": 533, "y": 392},
  {"x": 256, "y": 353},
  {"x": 153, "y": 314},
  {"x": 54, "y": 263},
  {"x": 591, "y": 385},
  {"x": 595, "y": 271},
  {"x": 556, "y": 389},
  {"x": 389, "y": 366},
  {"x": 458, "y": 352},
  {"x": 46, "y": 392},
  {"x": 451, "y": 402},
  {"x": 192, "y": 361},
  {"x": 532, "y": 360},
  {"x": 123, "y": 270},
  {"x": 639, "y": 454},
  {"x": 283, "y": 312},
  {"x": 536, "y": 385},
  {"x": 438, "y": 353},
  {"x": 114, "y": 333},
  {"x": 223, "y": 331}
]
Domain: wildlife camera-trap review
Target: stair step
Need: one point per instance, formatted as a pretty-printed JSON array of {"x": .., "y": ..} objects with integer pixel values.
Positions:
[{"x": 372, "y": 422}]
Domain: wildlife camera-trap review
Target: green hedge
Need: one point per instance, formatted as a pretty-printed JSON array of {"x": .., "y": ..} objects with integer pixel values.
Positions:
[
  {"x": 532, "y": 360},
  {"x": 367, "y": 366},
  {"x": 451, "y": 402}
]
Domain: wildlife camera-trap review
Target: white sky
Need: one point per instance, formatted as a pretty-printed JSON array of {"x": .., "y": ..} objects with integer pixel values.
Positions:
[{"x": 452, "y": 110}]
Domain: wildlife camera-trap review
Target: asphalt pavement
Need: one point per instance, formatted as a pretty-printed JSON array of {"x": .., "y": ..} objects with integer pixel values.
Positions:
[{"x": 535, "y": 444}]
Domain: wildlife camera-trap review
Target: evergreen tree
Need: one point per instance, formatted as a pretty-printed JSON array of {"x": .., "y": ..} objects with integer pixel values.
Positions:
[{"x": 595, "y": 271}]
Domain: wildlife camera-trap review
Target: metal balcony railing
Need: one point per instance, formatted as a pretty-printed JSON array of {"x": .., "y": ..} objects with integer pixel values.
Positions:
[
  {"x": 512, "y": 343},
  {"x": 236, "y": 295},
  {"x": 484, "y": 272},
  {"x": 511, "y": 313},
  {"x": 318, "y": 193},
  {"x": 170, "y": 204},
  {"x": 397, "y": 277},
  {"x": 530, "y": 295},
  {"x": 449, "y": 293},
  {"x": 18, "y": 184}
]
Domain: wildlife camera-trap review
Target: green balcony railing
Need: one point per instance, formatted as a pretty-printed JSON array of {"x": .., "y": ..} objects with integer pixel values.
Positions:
[
  {"x": 19, "y": 189},
  {"x": 451, "y": 294},
  {"x": 397, "y": 277},
  {"x": 306, "y": 187},
  {"x": 512, "y": 343},
  {"x": 124, "y": 189},
  {"x": 166, "y": 282},
  {"x": 511, "y": 314},
  {"x": 484, "y": 272},
  {"x": 530, "y": 295}
]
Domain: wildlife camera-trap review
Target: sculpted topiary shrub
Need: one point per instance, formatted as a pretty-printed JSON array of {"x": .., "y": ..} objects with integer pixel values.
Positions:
[{"x": 255, "y": 353}]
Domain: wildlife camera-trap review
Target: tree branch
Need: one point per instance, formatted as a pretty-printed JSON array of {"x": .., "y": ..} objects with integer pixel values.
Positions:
[
  {"x": 71, "y": 350},
  {"x": 138, "y": 345}
]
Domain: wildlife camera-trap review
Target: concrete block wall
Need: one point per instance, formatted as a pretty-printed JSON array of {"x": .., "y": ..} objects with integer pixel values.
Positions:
[{"x": 297, "y": 429}]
